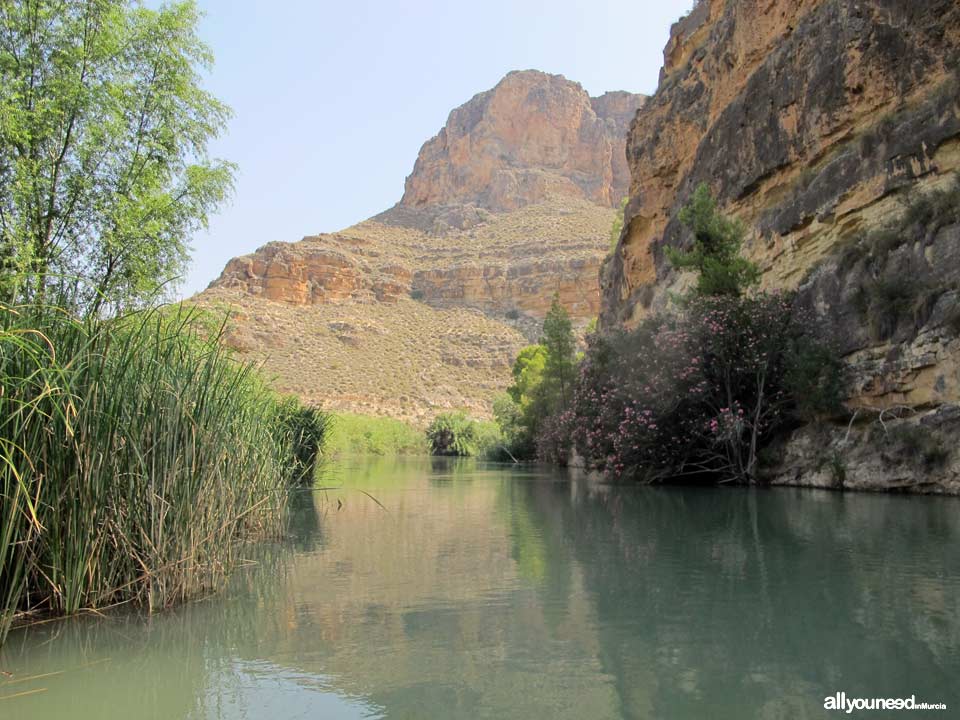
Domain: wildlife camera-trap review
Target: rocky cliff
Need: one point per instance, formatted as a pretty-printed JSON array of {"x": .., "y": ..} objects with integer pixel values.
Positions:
[
  {"x": 424, "y": 306},
  {"x": 832, "y": 129},
  {"x": 510, "y": 262},
  {"x": 531, "y": 138}
]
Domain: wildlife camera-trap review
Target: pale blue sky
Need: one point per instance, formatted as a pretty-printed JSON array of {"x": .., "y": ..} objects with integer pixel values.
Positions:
[{"x": 332, "y": 100}]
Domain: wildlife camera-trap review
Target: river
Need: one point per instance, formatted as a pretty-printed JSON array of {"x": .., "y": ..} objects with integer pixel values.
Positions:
[{"x": 432, "y": 588}]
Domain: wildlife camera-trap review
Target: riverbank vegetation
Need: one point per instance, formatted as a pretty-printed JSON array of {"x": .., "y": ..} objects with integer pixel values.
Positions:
[
  {"x": 135, "y": 452},
  {"x": 354, "y": 434},
  {"x": 697, "y": 391},
  {"x": 544, "y": 381},
  {"x": 455, "y": 434}
]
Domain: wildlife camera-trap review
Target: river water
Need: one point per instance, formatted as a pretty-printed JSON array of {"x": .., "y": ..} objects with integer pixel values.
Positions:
[{"x": 429, "y": 588}]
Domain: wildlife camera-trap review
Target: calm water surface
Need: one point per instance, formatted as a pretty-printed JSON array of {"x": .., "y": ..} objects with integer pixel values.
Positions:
[{"x": 487, "y": 592}]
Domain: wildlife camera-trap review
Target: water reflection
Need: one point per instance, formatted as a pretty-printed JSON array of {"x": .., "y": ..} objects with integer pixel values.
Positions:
[{"x": 438, "y": 588}]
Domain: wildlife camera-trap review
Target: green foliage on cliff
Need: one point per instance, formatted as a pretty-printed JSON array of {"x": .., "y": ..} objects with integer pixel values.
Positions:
[
  {"x": 715, "y": 255},
  {"x": 617, "y": 227},
  {"x": 699, "y": 392},
  {"x": 896, "y": 289}
]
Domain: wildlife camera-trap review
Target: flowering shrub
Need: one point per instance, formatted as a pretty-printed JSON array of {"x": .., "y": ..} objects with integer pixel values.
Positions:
[{"x": 701, "y": 392}]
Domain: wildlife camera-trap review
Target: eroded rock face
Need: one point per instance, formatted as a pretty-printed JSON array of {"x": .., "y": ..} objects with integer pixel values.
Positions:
[
  {"x": 512, "y": 264},
  {"x": 806, "y": 118},
  {"x": 532, "y": 137},
  {"x": 816, "y": 122}
]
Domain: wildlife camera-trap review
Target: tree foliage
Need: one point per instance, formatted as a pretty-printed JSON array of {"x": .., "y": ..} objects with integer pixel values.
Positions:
[
  {"x": 456, "y": 434},
  {"x": 560, "y": 356},
  {"x": 702, "y": 393},
  {"x": 617, "y": 226},
  {"x": 715, "y": 255},
  {"x": 104, "y": 127},
  {"x": 544, "y": 376}
]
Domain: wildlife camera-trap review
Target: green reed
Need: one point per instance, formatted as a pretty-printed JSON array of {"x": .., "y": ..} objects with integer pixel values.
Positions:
[{"x": 134, "y": 453}]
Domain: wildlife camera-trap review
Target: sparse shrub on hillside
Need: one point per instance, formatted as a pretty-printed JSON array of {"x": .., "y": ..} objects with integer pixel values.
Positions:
[
  {"x": 891, "y": 299},
  {"x": 919, "y": 445},
  {"x": 934, "y": 209},
  {"x": 617, "y": 227},
  {"x": 897, "y": 292}
]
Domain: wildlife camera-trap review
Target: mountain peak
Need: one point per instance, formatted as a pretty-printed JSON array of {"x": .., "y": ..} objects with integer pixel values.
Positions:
[{"x": 532, "y": 137}]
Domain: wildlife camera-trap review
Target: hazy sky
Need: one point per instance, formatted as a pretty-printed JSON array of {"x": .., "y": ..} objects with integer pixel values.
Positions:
[{"x": 333, "y": 100}]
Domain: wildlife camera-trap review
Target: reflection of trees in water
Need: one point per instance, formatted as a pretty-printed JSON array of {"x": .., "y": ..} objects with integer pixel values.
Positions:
[
  {"x": 509, "y": 593},
  {"x": 725, "y": 598},
  {"x": 431, "y": 605},
  {"x": 129, "y": 665}
]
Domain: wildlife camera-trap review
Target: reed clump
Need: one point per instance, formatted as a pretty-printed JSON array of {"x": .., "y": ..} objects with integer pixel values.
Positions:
[{"x": 134, "y": 453}]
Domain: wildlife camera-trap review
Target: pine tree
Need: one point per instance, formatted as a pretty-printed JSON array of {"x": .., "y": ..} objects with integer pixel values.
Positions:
[
  {"x": 716, "y": 249},
  {"x": 558, "y": 371}
]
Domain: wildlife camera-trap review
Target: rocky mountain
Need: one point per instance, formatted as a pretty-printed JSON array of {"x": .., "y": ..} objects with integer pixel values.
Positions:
[
  {"x": 424, "y": 306},
  {"x": 532, "y": 137},
  {"x": 832, "y": 130}
]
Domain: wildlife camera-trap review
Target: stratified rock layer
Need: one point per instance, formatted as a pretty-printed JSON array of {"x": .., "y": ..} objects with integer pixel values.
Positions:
[
  {"x": 510, "y": 263},
  {"x": 816, "y": 122}
]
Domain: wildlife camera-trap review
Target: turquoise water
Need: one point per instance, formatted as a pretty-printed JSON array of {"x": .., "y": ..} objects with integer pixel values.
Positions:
[{"x": 487, "y": 592}]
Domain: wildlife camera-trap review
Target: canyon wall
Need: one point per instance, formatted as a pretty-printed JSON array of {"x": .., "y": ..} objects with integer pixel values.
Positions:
[
  {"x": 512, "y": 263},
  {"x": 831, "y": 128}
]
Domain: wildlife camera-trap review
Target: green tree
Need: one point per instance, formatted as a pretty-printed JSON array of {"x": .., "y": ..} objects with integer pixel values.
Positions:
[
  {"x": 527, "y": 373},
  {"x": 452, "y": 433},
  {"x": 559, "y": 369},
  {"x": 544, "y": 376},
  {"x": 104, "y": 126},
  {"x": 716, "y": 249}
]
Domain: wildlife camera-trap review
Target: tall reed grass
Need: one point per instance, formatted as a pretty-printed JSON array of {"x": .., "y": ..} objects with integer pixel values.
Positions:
[{"x": 134, "y": 452}]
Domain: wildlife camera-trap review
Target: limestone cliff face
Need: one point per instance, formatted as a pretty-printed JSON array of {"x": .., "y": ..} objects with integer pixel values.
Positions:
[
  {"x": 532, "y": 137},
  {"x": 817, "y": 123}
]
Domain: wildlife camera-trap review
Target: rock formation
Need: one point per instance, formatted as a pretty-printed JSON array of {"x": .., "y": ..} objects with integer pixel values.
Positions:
[
  {"x": 510, "y": 203},
  {"x": 819, "y": 123},
  {"x": 532, "y": 137}
]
